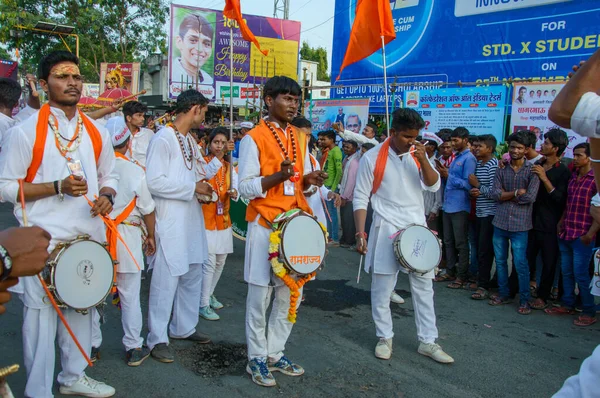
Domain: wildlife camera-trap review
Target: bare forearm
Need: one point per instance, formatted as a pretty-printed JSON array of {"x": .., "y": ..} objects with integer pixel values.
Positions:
[
  {"x": 584, "y": 81},
  {"x": 505, "y": 196},
  {"x": 360, "y": 218},
  {"x": 594, "y": 228},
  {"x": 150, "y": 221},
  {"x": 33, "y": 192},
  {"x": 272, "y": 181},
  {"x": 548, "y": 185},
  {"x": 107, "y": 190},
  {"x": 430, "y": 177},
  {"x": 100, "y": 113}
]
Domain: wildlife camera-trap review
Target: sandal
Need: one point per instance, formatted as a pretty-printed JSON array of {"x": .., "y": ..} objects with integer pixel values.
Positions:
[
  {"x": 458, "y": 284},
  {"x": 585, "y": 320},
  {"x": 554, "y": 294},
  {"x": 444, "y": 278},
  {"x": 480, "y": 294},
  {"x": 524, "y": 309},
  {"x": 498, "y": 300},
  {"x": 533, "y": 290},
  {"x": 559, "y": 311},
  {"x": 538, "y": 304}
]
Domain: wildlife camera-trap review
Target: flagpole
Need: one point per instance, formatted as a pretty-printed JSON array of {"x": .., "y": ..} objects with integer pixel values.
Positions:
[
  {"x": 385, "y": 88},
  {"x": 230, "y": 102}
]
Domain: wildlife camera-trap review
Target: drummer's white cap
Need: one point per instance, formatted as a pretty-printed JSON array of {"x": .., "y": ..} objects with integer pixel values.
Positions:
[
  {"x": 247, "y": 125},
  {"x": 119, "y": 133}
]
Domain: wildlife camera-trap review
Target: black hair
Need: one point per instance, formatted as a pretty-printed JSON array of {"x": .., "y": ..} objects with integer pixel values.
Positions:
[
  {"x": 195, "y": 22},
  {"x": 218, "y": 131},
  {"x": 281, "y": 85},
  {"x": 522, "y": 88},
  {"x": 531, "y": 137},
  {"x": 10, "y": 92},
  {"x": 353, "y": 143},
  {"x": 460, "y": 132},
  {"x": 327, "y": 133},
  {"x": 312, "y": 142},
  {"x": 123, "y": 144},
  {"x": 520, "y": 137},
  {"x": 188, "y": 99},
  {"x": 473, "y": 138},
  {"x": 559, "y": 139},
  {"x": 132, "y": 107},
  {"x": 584, "y": 145},
  {"x": 373, "y": 126},
  {"x": 368, "y": 146},
  {"x": 404, "y": 119},
  {"x": 445, "y": 134},
  {"x": 432, "y": 143},
  {"x": 301, "y": 122},
  {"x": 488, "y": 140},
  {"x": 52, "y": 59}
]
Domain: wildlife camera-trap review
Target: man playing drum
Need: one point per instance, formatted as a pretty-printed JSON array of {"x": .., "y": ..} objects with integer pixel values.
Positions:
[
  {"x": 273, "y": 176},
  {"x": 61, "y": 155},
  {"x": 394, "y": 178}
]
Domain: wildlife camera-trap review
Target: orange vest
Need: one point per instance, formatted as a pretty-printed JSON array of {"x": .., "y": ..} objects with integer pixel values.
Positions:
[
  {"x": 270, "y": 158},
  {"x": 212, "y": 220}
]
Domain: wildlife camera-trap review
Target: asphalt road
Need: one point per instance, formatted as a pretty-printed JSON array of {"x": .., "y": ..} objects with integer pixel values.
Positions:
[{"x": 498, "y": 352}]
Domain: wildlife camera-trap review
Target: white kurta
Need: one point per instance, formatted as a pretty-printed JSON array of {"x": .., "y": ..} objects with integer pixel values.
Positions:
[
  {"x": 5, "y": 124},
  {"x": 257, "y": 269},
  {"x": 585, "y": 383},
  {"x": 397, "y": 204},
  {"x": 63, "y": 220},
  {"x": 180, "y": 228},
  {"x": 139, "y": 145},
  {"x": 132, "y": 184},
  {"x": 359, "y": 138},
  {"x": 315, "y": 201}
]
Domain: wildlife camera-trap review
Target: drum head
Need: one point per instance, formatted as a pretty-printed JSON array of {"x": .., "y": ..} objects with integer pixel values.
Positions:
[
  {"x": 420, "y": 248},
  {"x": 303, "y": 244},
  {"x": 84, "y": 274}
]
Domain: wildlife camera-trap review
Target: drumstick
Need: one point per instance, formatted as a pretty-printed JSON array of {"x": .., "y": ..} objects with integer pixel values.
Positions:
[
  {"x": 131, "y": 96},
  {"x": 359, "y": 267},
  {"x": 47, "y": 291}
]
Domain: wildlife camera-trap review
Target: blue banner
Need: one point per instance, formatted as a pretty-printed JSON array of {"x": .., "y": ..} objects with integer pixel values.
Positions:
[
  {"x": 479, "y": 109},
  {"x": 480, "y": 41}
]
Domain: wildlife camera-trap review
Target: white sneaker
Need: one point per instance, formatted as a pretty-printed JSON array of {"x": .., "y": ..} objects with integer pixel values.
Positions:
[
  {"x": 435, "y": 352},
  {"x": 88, "y": 387},
  {"x": 396, "y": 298},
  {"x": 383, "y": 349}
]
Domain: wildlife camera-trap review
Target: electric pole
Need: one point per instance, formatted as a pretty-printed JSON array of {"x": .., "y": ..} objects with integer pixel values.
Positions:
[{"x": 283, "y": 7}]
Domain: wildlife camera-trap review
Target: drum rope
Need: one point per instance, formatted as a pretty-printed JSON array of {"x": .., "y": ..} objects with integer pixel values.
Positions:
[{"x": 56, "y": 308}]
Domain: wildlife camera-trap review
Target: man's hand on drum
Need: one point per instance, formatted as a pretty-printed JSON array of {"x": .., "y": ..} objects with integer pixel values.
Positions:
[
  {"x": 316, "y": 178},
  {"x": 74, "y": 186},
  {"x": 361, "y": 243}
]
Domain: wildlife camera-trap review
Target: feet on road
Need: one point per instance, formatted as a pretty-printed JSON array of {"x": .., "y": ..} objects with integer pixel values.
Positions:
[
  {"x": 257, "y": 368},
  {"x": 214, "y": 303},
  {"x": 208, "y": 313},
  {"x": 396, "y": 298},
  {"x": 383, "y": 349},
  {"x": 195, "y": 337},
  {"x": 136, "y": 356},
  {"x": 88, "y": 387},
  {"x": 435, "y": 352},
  {"x": 163, "y": 353},
  {"x": 285, "y": 366}
]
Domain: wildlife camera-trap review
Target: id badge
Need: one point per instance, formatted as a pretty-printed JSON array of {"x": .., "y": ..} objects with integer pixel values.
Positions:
[
  {"x": 288, "y": 188},
  {"x": 219, "y": 208},
  {"x": 76, "y": 168}
]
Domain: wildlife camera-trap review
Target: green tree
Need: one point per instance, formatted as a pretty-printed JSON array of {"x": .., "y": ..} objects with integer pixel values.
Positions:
[
  {"x": 109, "y": 30},
  {"x": 319, "y": 55}
]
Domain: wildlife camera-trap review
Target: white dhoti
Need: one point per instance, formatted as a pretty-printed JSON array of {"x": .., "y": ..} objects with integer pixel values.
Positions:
[
  {"x": 258, "y": 274},
  {"x": 179, "y": 293},
  {"x": 211, "y": 273},
  {"x": 40, "y": 327}
]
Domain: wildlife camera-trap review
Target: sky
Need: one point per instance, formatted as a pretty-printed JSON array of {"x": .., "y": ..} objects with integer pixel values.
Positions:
[{"x": 316, "y": 15}]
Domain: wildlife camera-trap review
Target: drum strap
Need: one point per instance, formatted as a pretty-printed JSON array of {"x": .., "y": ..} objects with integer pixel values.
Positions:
[
  {"x": 381, "y": 162},
  {"x": 111, "y": 237}
]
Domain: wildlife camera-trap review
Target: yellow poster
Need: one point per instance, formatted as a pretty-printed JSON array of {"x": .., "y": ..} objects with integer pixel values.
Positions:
[{"x": 281, "y": 61}]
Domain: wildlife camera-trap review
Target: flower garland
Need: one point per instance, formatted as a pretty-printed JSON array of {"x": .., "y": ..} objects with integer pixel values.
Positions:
[{"x": 282, "y": 273}]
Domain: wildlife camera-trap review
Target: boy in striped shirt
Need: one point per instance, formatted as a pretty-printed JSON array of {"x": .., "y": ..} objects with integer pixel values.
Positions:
[{"x": 482, "y": 181}]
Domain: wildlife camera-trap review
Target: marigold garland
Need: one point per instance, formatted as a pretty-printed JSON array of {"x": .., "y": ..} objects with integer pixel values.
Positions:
[{"x": 282, "y": 273}]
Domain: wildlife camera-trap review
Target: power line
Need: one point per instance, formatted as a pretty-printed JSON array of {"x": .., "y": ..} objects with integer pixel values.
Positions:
[{"x": 301, "y": 7}]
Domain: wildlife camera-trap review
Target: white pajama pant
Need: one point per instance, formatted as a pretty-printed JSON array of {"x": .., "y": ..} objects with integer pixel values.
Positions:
[
  {"x": 179, "y": 295},
  {"x": 41, "y": 327},
  {"x": 260, "y": 343},
  {"x": 422, "y": 296},
  {"x": 128, "y": 285},
  {"x": 211, "y": 273}
]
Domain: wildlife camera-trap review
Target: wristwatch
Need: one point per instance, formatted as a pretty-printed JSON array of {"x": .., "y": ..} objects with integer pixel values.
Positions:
[
  {"x": 110, "y": 198},
  {"x": 6, "y": 263}
]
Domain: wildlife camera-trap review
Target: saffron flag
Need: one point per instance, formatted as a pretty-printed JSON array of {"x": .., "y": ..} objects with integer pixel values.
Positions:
[
  {"x": 365, "y": 38},
  {"x": 233, "y": 11}
]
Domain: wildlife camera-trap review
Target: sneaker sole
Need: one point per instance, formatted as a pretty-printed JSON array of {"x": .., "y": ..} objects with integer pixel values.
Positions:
[
  {"x": 385, "y": 358},
  {"x": 217, "y": 308},
  {"x": 138, "y": 363},
  {"x": 209, "y": 319},
  {"x": 285, "y": 372},
  {"x": 163, "y": 360},
  {"x": 80, "y": 394},
  {"x": 256, "y": 381},
  {"x": 426, "y": 354}
]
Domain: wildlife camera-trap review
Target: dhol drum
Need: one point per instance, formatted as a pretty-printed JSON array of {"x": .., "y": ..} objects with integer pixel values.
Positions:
[
  {"x": 79, "y": 274},
  {"x": 417, "y": 249},
  {"x": 303, "y": 242}
]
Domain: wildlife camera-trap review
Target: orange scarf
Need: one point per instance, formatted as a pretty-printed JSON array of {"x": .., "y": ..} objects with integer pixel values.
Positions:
[
  {"x": 121, "y": 156},
  {"x": 41, "y": 133},
  {"x": 324, "y": 158},
  {"x": 381, "y": 162}
]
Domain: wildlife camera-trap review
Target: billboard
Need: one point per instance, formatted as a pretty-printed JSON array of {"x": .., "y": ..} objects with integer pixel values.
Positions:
[
  {"x": 199, "y": 47},
  {"x": 352, "y": 113},
  {"x": 117, "y": 75},
  {"x": 479, "y": 109},
  {"x": 477, "y": 41},
  {"x": 530, "y": 105}
]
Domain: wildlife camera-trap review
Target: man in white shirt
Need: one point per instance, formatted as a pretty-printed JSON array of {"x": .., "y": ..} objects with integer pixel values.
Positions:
[
  {"x": 54, "y": 201},
  {"x": 181, "y": 246},
  {"x": 394, "y": 181},
  {"x": 134, "y": 113},
  {"x": 10, "y": 92},
  {"x": 368, "y": 135}
]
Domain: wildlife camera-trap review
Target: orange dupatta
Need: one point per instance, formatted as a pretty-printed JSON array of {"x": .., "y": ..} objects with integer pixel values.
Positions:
[{"x": 380, "y": 164}]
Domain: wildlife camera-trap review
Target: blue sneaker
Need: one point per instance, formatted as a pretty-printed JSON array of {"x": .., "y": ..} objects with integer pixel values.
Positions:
[
  {"x": 286, "y": 367},
  {"x": 257, "y": 368},
  {"x": 214, "y": 303},
  {"x": 208, "y": 313}
]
